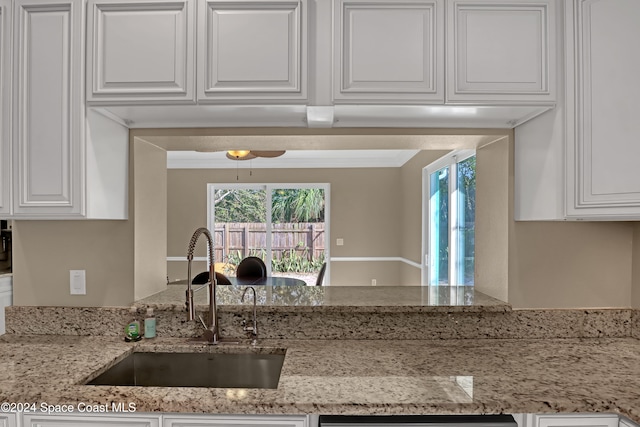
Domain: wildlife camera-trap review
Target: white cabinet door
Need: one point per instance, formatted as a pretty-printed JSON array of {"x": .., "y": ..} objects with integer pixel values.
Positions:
[
  {"x": 252, "y": 51},
  {"x": 67, "y": 164},
  {"x": 578, "y": 420},
  {"x": 8, "y": 420},
  {"x": 235, "y": 420},
  {"x": 603, "y": 126},
  {"x": 6, "y": 300},
  {"x": 100, "y": 420},
  {"x": 48, "y": 105},
  {"x": 140, "y": 51},
  {"x": 5, "y": 107},
  {"x": 501, "y": 51},
  {"x": 388, "y": 52}
]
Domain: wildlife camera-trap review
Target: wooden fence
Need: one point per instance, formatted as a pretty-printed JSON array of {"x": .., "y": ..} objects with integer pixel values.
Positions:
[{"x": 250, "y": 238}]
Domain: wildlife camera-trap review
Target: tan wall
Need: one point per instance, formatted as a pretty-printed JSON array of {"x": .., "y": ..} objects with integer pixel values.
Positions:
[
  {"x": 492, "y": 219},
  {"x": 571, "y": 264},
  {"x": 150, "y": 201},
  {"x": 635, "y": 285},
  {"x": 357, "y": 273},
  {"x": 365, "y": 205},
  {"x": 45, "y": 251}
]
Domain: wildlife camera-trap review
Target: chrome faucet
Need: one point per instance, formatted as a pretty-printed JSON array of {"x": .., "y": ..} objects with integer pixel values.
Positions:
[
  {"x": 252, "y": 331},
  {"x": 212, "y": 333}
]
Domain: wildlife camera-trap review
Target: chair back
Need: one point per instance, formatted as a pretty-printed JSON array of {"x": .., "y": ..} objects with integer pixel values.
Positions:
[
  {"x": 252, "y": 267},
  {"x": 202, "y": 278},
  {"x": 320, "y": 278}
]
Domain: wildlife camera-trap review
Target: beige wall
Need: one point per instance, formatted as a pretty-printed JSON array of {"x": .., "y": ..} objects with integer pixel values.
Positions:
[
  {"x": 571, "y": 264},
  {"x": 635, "y": 285},
  {"x": 365, "y": 211},
  {"x": 493, "y": 204},
  {"x": 150, "y": 214}
]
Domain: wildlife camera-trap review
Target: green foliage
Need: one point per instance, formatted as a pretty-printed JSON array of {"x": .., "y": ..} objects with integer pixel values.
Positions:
[
  {"x": 298, "y": 205},
  {"x": 290, "y": 261},
  {"x": 240, "y": 205},
  {"x": 297, "y": 261}
]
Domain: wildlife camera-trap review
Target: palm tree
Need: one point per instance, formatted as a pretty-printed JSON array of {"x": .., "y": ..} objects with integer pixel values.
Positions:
[{"x": 298, "y": 205}]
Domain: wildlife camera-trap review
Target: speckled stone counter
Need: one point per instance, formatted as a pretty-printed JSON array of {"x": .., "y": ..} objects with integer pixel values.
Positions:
[
  {"x": 349, "y": 377},
  {"x": 345, "y": 299}
]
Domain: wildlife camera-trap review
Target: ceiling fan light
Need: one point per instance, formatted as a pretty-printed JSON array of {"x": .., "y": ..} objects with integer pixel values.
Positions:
[{"x": 238, "y": 154}]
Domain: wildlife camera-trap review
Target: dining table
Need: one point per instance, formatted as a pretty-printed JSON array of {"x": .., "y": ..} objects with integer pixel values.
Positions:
[{"x": 267, "y": 280}]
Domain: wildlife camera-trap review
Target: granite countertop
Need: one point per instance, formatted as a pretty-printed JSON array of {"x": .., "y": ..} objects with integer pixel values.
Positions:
[
  {"x": 341, "y": 298},
  {"x": 349, "y": 376}
]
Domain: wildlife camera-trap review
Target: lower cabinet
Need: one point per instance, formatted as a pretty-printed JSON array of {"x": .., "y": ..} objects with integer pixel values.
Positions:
[
  {"x": 101, "y": 420},
  {"x": 6, "y": 300},
  {"x": 8, "y": 420},
  {"x": 84, "y": 417},
  {"x": 235, "y": 420},
  {"x": 567, "y": 420}
]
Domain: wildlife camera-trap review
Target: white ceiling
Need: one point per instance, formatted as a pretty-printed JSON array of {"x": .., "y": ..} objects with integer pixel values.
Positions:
[
  {"x": 293, "y": 159},
  {"x": 308, "y": 148}
]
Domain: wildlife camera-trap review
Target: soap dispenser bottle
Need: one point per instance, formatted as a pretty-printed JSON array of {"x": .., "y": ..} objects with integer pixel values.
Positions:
[
  {"x": 150, "y": 324},
  {"x": 132, "y": 330}
]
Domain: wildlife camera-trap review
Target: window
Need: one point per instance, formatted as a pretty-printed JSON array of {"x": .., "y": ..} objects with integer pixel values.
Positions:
[
  {"x": 449, "y": 205},
  {"x": 286, "y": 225}
]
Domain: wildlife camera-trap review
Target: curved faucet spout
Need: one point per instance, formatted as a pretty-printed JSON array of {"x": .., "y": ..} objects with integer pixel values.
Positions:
[{"x": 213, "y": 330}]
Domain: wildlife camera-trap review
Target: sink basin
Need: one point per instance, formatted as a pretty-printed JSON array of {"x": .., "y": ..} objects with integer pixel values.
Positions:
[{"x": 244, "y": 370}]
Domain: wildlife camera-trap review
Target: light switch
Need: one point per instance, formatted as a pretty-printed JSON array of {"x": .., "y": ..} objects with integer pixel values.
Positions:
[
  {"x": 340, "y": 242},
  {"x": 77, "y": 282}
]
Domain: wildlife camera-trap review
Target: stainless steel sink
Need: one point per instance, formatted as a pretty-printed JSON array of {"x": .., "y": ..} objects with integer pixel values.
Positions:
[{"x": 244, "y": 370}]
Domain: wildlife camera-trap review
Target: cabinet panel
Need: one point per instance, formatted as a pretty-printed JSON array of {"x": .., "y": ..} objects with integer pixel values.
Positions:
[
  {"x": 48, "y": 106},
  {"x": 590, "y": 420},
  {"x": 6, "y": 300},
  {"x": 8, "y": 420},
  {"x": 501, "y": 51},
  {"x": 606, "y": 128},
  {"x": 235, "y": 420},
  {"x": 5, "y": 107},
  {"x": 113, "y": 420},
  {"x": 252, "y": 51},
  {"x": 388, "y": 52},
  {"x": 141, "y": 51}
]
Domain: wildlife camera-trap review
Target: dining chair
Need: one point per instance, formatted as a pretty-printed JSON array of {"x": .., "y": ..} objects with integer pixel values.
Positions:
[
  {"x": 202, "y": 278},
  {"x": 320, "y": 278},
  {"x": 251, "y": 266}
]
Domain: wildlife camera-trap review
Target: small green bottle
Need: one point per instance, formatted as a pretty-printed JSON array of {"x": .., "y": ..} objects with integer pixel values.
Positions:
[{"x": 132, "y": 330}]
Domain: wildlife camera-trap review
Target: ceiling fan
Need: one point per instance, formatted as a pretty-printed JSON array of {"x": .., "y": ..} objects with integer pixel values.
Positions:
[
  {"x": 247, "y": 154},
  {"x": 252, "y": 154}
]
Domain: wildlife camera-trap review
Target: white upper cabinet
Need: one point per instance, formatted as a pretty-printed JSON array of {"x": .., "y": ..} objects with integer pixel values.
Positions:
[
  {"x": 140, "y": 51},
  {"x": 65, "y": 164},
  {"x": 48, "y": 106},
  {"x": 388, "y": 52},
  {"x": 5, "y": 106},
  {"x": 603, "y": 127},
  {"x": 252, "y": 51},
  {"x": 579, "y": 161},
  {"x": 501, "y": 51}
]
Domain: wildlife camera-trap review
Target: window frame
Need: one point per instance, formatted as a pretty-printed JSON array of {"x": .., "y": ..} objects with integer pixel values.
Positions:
[
  {"x": 268, "y": 187},
  {"x": 450, "y": 160}
]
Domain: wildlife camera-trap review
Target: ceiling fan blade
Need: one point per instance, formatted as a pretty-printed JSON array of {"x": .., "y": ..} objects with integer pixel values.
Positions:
[{"x": 271, "y": 153}]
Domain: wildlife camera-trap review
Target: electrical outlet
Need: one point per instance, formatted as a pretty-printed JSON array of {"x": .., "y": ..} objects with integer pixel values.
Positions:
[
  {"x": 374, "y": 282},
  {"x": 339, "y": 242},
  {"x": 77, "y": 282}
]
